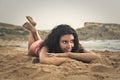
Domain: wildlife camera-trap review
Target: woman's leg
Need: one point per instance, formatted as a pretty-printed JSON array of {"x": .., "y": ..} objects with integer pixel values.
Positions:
[
  {"x": 33, "y": 33},
  {"x": 30, "y": 19}
]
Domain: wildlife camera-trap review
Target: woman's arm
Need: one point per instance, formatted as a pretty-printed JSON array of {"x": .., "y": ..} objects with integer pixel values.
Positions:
[
  {"x": 47, "y": 58},
  {"x": 87, "y": 56},
  {"x": 59, "y": 58},
  {"x": 66, "y": 55}
]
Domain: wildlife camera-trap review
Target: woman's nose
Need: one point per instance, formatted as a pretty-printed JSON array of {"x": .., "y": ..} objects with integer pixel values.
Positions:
[{"x": 69, "y": 44}]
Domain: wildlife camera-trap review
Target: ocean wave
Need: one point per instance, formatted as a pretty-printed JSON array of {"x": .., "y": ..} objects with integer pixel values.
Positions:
[{"x": 102, "y": 45}]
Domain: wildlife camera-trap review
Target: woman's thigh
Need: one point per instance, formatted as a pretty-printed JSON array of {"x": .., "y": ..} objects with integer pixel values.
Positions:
[{"x": 32, "y": 47}]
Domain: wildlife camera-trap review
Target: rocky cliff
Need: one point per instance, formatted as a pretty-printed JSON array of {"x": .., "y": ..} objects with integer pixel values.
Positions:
[
  {"x": 15, "y": 32},
  {"x": 99, "y": 31},
  {"x": 90, "y": 31}
]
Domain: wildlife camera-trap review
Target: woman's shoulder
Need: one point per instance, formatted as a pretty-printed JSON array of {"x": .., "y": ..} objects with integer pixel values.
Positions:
[{"x": 44, "y": 48}]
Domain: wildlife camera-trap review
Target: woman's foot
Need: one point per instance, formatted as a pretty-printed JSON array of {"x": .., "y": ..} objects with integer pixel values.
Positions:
[
  {"x": 29, "y": 27},
  {"x": 30, "y": 19}
]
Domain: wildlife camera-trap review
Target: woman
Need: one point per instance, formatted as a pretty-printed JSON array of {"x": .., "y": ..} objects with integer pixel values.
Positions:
[{"x": 61, "y": 44}]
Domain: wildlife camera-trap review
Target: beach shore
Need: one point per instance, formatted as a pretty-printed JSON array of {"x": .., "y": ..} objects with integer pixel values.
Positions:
[{"x": 15, "y": 64}]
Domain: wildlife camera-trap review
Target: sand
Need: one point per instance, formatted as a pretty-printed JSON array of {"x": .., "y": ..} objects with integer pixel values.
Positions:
[{"x": 15, "y": 64}]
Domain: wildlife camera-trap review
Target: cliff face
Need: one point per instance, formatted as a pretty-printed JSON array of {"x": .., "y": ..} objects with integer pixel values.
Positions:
[
  {"x": 99, "y": 31},
  {"x": 90, "y": 31},
  {"x": 14, "y": 32}
]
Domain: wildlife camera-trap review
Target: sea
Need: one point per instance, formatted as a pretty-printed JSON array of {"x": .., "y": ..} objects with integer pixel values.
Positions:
[{"x": 102, "y": 45}]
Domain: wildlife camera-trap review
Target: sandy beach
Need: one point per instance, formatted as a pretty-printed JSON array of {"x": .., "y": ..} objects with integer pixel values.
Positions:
[{"x": 15, "y": 64}]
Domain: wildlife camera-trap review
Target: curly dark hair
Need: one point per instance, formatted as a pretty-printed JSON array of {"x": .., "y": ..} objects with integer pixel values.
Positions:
[{"x": 52, "y": 40}]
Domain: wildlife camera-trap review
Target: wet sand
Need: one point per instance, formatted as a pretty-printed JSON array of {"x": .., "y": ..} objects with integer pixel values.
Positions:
[{"x": 15, "y": 64}]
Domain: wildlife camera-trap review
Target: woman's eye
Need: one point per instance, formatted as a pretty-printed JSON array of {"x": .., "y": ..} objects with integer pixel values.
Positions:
[
  {"x": 71, "y": 41},
  {"x": 64, "y": 42}
]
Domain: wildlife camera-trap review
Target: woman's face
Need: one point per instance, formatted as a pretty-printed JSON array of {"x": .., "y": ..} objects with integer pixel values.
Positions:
[{"x": 67, "y": 42}]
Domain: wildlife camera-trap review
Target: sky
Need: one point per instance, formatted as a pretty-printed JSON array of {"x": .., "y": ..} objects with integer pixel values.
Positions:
[{"x": 50, "y": 13}]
